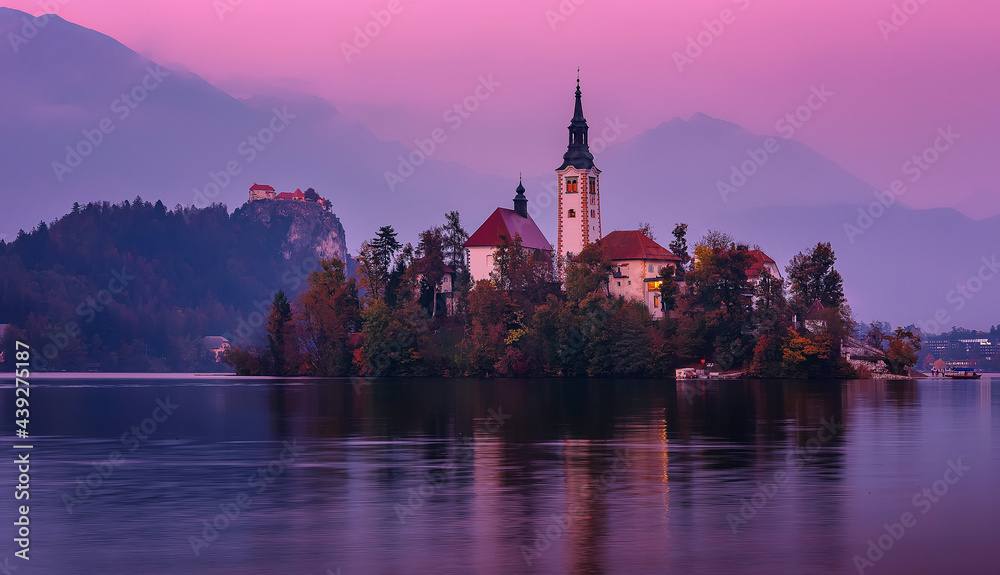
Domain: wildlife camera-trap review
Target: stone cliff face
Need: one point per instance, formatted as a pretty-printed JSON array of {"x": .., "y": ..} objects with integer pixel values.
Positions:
[{"x": 307, "y": 230}]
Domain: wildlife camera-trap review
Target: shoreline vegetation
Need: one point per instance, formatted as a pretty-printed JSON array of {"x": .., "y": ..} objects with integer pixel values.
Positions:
[
  {"x": 136, "y": 287},
  {"x": 392, "y": 319}
]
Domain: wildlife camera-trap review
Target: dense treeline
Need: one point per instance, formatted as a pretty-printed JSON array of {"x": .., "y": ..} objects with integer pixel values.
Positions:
[
  {"x": 392, "y": 320},
  {"x": 135, "y": 286}
]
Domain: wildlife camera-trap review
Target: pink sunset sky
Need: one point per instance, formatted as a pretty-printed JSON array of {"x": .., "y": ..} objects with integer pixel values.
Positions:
[{"x": 939, "y": 69}]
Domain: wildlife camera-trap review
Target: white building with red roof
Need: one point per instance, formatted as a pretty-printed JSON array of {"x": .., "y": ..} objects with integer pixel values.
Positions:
[
  {"x": 297, "y": 195},
  {"x": 761, "y": 262},
  {"x": 261, "y": 192},
  {"x": 637, "y": 261},
  {"x": 504, "y": 223}
]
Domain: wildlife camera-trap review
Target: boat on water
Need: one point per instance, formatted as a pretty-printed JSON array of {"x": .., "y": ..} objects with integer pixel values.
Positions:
[{"x": 963, "y": 373}]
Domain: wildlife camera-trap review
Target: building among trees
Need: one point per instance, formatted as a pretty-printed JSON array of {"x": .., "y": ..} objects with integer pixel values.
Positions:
[
  {"x": 637, "y": 261},
  {"x": 504, "y": 226},
  {"x": 265, "y": 192}
]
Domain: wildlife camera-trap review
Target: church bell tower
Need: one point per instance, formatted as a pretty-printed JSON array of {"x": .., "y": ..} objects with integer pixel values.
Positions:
[{"x": 579, "y": 190}]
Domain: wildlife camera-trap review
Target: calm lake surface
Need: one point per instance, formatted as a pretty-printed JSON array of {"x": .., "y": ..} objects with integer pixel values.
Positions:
[{"x": 498, "y": 477}]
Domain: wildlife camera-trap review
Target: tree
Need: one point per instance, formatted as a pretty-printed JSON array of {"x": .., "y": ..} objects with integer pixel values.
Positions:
[
  {"x": 279, "y": 325},
  {"x": 646, "y": 229},
  {"x": 494, "y": 326},
  {"x": 901, "y": 351},
  {"x": 877, "y": 334},
  {"x": 813, "y": 278},
  {"x": 718, "y": 290},
  {"x": 588, "y": 272},
  {"x": 394, "y": 341},
  {"x": 384, "y": 247},
  {"x": 668, "y": 290},
  {"x": 432, "y": 267},
  {"x": 521, "y": 270},
  {"x": 455, "y": 237},
  {"x": 326, "y": 315},
  {"x": 679, "y": 247},
  {"x": 623, "y": 346},
  {"x": 770, "y": 322},
  {"x": 374, "y": 259}
]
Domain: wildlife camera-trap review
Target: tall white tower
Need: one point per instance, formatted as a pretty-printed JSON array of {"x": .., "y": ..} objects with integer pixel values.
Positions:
[{"x": 579, "y": 190}]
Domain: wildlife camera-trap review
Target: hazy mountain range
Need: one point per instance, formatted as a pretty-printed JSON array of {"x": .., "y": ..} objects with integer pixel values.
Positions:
[{"x": 69, "y": 86}]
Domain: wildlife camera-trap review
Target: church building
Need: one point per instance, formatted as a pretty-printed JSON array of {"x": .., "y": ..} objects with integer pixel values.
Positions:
[{"x": 508, "y": 224}]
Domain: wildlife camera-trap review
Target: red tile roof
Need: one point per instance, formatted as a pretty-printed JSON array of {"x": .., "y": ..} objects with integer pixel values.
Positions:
[
  {"x": 634, "y": 245},
  {"x": 421, "y": 263},
  {"x": 261, "y": 187},
  {"x": 759, "y": 260},
  {"x": 291, "y": 195},
  {"x": 508, "y": 223}
]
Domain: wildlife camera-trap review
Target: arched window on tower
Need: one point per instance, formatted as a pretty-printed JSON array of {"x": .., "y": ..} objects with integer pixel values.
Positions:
[
  {"x": 571, "y": 185},
  {"x": 593, "y": 185},
  {"x": 572, "y": 213}
]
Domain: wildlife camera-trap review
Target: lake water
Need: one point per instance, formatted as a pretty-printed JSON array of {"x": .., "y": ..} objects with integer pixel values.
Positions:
[{"x": 498, "y": 477}]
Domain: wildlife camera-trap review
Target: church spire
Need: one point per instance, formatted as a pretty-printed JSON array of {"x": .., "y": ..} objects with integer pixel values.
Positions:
[
  {"x": 578, "y": 111},
  {"x": 520, "y": 200},
  {"x": 578, "y": 153}
]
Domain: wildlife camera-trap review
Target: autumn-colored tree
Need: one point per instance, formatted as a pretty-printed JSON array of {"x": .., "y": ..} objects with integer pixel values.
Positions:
[
  {"x": 494, "y": 325},
  {"x": 326, "y": 314},
  {"x": 901, "y": 350},
  {"x": 806, "y": 356}
]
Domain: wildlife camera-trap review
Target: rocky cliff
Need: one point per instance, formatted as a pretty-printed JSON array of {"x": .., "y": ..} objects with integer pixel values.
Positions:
[{"x": 307, "y": 230}]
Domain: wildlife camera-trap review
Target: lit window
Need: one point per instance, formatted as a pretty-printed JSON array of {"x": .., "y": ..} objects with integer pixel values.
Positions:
[
  {"x": 571, "y": 185},
  {"x": 572, "y": 213},
  {"x": 593, "y": 214},
  {"x": 593, "y": 185}
]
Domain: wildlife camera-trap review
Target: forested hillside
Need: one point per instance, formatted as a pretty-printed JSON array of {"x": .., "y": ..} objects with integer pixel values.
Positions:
[{"x": 135, "y": 286}]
